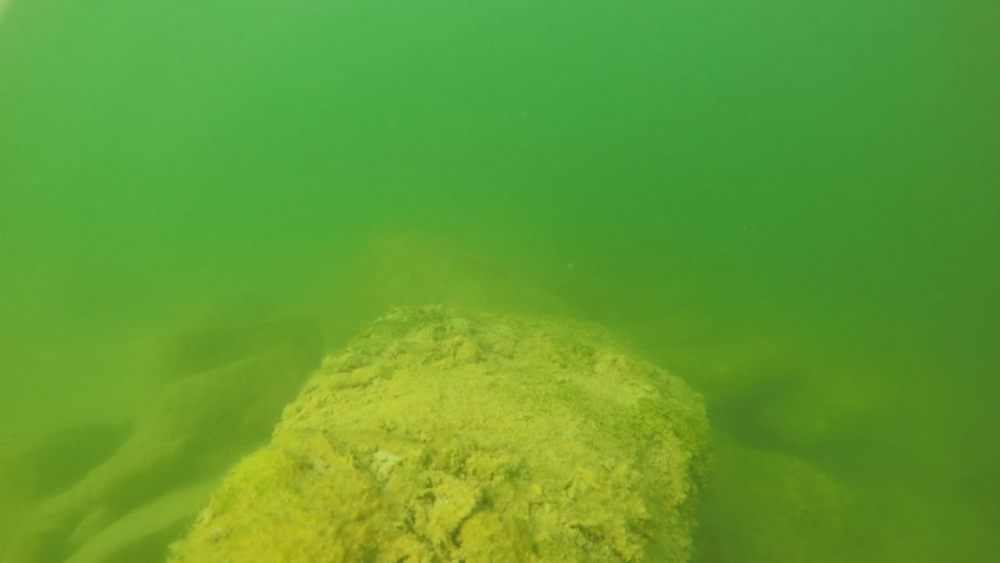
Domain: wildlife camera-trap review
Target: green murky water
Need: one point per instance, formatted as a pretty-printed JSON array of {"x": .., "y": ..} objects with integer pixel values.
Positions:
[{"x": 795, "y": 206}]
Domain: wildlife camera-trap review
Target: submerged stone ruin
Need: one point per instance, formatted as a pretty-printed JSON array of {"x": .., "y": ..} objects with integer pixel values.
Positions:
[{"x": 446, "y": 436}]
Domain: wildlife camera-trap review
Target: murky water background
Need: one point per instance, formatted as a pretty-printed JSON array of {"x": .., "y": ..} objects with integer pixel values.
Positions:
[{"x": 793, "y": 205}]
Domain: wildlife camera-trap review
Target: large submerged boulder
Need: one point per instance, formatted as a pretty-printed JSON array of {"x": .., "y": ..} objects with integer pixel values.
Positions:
[{"x": 447, "y": 436}]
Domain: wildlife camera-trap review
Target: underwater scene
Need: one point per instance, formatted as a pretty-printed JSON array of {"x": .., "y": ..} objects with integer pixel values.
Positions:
[{"x": 706, "y": 281}]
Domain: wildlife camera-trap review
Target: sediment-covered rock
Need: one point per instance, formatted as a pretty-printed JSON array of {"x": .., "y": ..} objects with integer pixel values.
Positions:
[{"x": 439, "y": 435}]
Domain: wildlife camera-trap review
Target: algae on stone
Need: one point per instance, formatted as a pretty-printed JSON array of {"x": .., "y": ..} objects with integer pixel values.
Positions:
[{"x": 439, "y": 435}]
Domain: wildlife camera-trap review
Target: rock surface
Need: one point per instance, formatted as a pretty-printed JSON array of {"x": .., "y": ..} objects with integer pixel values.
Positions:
[{"x": 445, "y": 436}]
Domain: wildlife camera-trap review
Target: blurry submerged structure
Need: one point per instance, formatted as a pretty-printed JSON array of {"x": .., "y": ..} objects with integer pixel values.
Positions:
[{"x": 214, "y": 394}]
